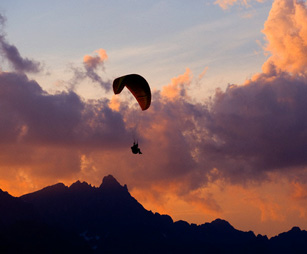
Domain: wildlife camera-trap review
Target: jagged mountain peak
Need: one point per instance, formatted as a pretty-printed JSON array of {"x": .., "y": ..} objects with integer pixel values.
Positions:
[
  {"x": 219, "y": 223},
  {"x": 4, "y": 193},
  {"x": 110, "y": 183},
  {"x": 80, "y": 186},
  {"x": 295, "y": 230},
  {"x": 5, "y": 196},
  {"x": 108, "y": 217}
]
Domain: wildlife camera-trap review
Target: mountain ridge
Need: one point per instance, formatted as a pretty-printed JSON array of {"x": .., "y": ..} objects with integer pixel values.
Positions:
[{"x": 107, "y": 219}]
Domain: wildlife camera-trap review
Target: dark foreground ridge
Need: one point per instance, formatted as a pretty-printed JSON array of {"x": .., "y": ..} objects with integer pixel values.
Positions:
[{"x": 107, "y": 219}]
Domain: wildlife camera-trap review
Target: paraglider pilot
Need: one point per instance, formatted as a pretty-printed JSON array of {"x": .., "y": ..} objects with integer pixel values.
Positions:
[
  {"x": 135, "y": 148},
  {"x": 140, "y": 89}
]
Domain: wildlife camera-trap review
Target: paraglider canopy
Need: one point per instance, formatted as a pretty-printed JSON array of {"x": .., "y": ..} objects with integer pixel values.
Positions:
[{"x": 137, "y": 85}]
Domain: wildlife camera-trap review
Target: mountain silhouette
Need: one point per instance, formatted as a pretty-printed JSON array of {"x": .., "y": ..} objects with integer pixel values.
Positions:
[{"x": 85, "y": 219}]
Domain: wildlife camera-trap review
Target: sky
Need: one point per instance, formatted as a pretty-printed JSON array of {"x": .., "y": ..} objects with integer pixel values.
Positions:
[{"x": 226, "y": 133}]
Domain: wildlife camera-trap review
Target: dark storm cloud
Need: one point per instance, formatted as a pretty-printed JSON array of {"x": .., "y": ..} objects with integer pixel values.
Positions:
[
  {"x": 31, "y": 115},
  {"x": 46, "y": 135},
  {"x": 12, "y": 55},
  {"x": 242, "y": 134},
  {"x": 258, "y": 128},
  {"x": 20, "y": 64}
]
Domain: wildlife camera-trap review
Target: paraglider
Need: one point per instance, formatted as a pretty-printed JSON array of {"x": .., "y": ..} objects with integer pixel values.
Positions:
[
  {"x": 140, "y": 89},
  {"x": 137, "y": 85}
]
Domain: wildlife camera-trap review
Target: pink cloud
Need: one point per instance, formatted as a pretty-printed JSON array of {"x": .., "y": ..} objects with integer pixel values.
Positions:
[
  {"x": 92, "y": 67},
  {"x": 178, "y": 86},
  {"x": 286, "y": 32},
  {"x": 225, "y": 4},
  {"x": 95, "y": 61}
]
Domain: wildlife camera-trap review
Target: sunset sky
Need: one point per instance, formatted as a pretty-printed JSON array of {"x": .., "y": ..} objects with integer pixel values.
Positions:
[{"x": 226, "y": 133}]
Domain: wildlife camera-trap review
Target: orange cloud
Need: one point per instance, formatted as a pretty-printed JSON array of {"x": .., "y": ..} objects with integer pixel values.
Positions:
[
  {"x": 202, "y": 74},
  {"x": 286, "y": 32},
  {"x": 173, "y": 198},
  {"x": 225, "y": 4},
  {"x": 270, "y": 210},
  {"x": 178, "y": 85},
  {"x": 92, "y": 65},
  {"x": 94, "y": 61},
  {"x": 114, "y": 103},
  {"x": 299, "y": 191}
]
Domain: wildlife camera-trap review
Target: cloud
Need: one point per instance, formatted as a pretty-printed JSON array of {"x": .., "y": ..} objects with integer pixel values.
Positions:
[
  {"x": 178, "y": 86},
  {"x": 286, "y": 33},
  {"x": 165, "y": 199},
  {"x": 45, "y": 135},
  {"x": 202, "y": 74},
  {"x": 299, "y": 191},
  {"x": 259, "y": 127},
  {"x": 12, "y": 55},
  {"x": 269, "y": 209},
  {"x": 31, "y": 114},
  {"x": 96, "y": 61},
  {"x": 91, "y": 64},
  {"x": 225, "y": 4},
  {"x": 20, "y": 64}
]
